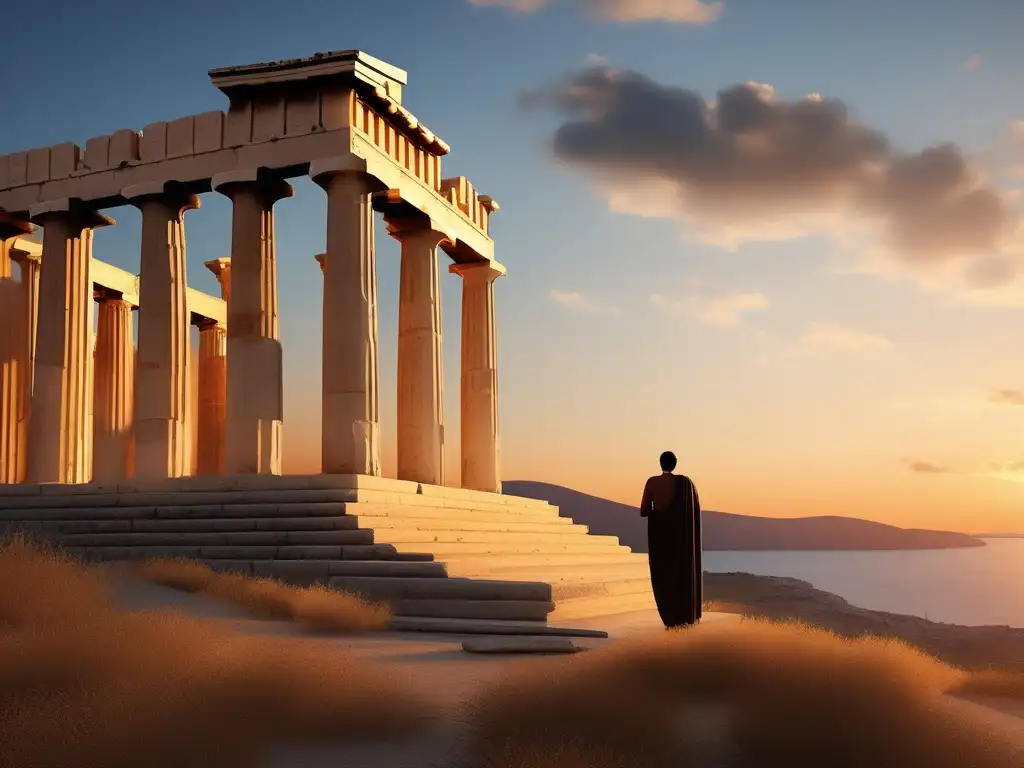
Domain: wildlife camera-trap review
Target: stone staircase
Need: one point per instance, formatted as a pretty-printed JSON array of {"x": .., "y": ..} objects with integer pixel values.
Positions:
[{"x": 434, "y": 553}]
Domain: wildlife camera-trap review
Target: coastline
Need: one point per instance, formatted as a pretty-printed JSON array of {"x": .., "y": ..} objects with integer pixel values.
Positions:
[{"x": 784, "y": 598}]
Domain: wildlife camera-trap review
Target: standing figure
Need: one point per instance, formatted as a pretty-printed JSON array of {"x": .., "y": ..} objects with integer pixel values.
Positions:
[{"x": 672, "y": 508}]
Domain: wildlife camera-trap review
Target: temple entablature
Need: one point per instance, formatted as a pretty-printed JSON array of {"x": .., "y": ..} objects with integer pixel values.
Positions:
[
  {"x": 283, "y": 118},
  {"x": 110, "y": 281}
]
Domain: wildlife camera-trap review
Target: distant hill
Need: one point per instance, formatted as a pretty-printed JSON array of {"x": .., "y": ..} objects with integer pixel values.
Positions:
[{"x": 723, "y": 531}]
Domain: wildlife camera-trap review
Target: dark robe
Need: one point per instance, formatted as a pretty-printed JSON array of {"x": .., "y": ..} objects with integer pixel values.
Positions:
[{"x": 674, "y": 552}]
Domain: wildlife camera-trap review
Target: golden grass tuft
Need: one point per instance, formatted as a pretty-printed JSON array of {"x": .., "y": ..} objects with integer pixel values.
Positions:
[
  {"x": 754, "y": 694},
  {"x": 85, "y": 684},
  {"x": 315, "y": 608}
]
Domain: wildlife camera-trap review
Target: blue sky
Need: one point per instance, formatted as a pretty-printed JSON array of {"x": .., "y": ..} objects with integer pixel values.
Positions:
[{"x": 586, "y": 397}]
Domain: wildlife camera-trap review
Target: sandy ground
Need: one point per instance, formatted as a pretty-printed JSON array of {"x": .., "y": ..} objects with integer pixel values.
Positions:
[{"x": 438, "y": 664}]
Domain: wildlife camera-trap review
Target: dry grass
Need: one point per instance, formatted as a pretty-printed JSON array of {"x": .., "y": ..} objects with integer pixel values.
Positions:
[
  {"x": 758, "y": 694},
  {"x": 314, "y": 608},
  {"x": 84, "y": 684}
]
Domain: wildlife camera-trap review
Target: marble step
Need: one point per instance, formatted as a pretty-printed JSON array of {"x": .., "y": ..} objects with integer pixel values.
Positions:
[
  {"x": 634, "y": 568},
  {"x": 192, "y": 525},
  {"x": 487, "y": 566},
  {"x": 592, "y": 606},
  {"x": 603, "y": 587},
  {"x": 312, "y": 508},
  {"x": 11, "y": 507},
  {"x": 501, "y": 610},
  {"x": 240, "y": 538},
  {"x": 445, "y": 537},
  {"x": 465, "y": 522},
  {"x": 253, "y": 552},
  {"x": 413, "y": 588},
  {"x": 488, "y": 627}
]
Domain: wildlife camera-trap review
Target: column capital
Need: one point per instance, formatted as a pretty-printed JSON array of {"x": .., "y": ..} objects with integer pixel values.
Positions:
[
  {"x": 103, "y": 295},
  {"x": 69, "y": 209},
  {"x": 321, "y": 259},
  {"x": 26, "y": 251},
  {"x": 170, "y": 192},
  {"x": 269, "y": 186},
  {"x": 13, "y": 226},
  {"x": 417, "y": 228},
  {"x": 208, "y": 323},
  {"x": 218, "y": 266},
  {"x": 352, "y": 166},
  {"x": 478, "y": 270}
]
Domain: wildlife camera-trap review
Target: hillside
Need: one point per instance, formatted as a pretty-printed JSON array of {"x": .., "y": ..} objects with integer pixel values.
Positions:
[{"x": 724, "y": 531}]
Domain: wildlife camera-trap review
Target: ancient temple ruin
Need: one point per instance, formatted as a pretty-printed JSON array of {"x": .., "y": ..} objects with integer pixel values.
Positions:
[
  {"x": 121, "y": 448},
  {"x": 337, "y": 118}
]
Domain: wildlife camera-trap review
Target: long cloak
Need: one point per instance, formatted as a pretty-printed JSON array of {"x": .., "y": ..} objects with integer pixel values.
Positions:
[{"x": 674, "y": 553}]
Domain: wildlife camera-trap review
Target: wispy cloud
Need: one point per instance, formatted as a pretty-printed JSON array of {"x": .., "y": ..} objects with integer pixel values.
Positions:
[
  {"x": 926, "y": 467},
  {"x": 1006, "y": 397},
  {"x": 972, "y": 64},
  {"x": 693, "y": 12},
  {"x": 580, "y": 303},
  {"x": 725, "y": 310},
  {"x": 821, "y": 336}
]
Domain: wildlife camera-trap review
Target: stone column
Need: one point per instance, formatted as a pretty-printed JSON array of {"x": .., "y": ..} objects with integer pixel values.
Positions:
[
  {"x": 15, "y": 372},
  {"x": 351, "y": 364},
  {"x": 161, "y": 439},
  {"x": 212, "y": 397},
  {"x": 255, "y": 406},
  {"x": 481, "y": 444},
  {"x": 114, "y": 392},
  {"x": 420, "y": 364},
  {"x": 30, "y": 266},
  {"x": 59, "y": 425}
]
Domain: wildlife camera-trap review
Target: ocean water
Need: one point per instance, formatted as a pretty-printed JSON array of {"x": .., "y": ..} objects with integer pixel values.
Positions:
[{"x": 976, "y": 586}]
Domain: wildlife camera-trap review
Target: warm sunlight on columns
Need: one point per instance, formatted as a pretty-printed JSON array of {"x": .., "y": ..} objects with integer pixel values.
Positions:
[
  {"x": 481, "y": 442},
  {"x": 14, "y": 360},
  {"x": 212, "y": 399},
  {"x": 161, "y": 439},
  {"x": 255, "y": 407},
  {"x": 114, "y": 392},
  {"x": 420, "y": 364},
  {"x": 351, "y": 411},
  {"x": 59, "y": 425}
]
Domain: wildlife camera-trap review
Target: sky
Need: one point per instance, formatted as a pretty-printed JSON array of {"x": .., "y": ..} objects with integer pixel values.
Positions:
[{"x": 781, "y": 239}]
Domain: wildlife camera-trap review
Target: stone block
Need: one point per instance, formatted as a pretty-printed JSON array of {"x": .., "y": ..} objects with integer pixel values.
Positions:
[
  {"x": 238, "y": 125},
  {"x": 97, "y": 153},
  {"x": 293, "y": 569},
  {"x": 374, "y": 568},
  {"x": 124, "y": 148},
  {"x": 523, "y": 645},
  {"x": 19, "y": 169},
  {"x": 335, "y": 108},
  {"x": 268, "y": 118},
  {"x": 302, "y": 113},
  {"x": 38, "y": 165},
  {"x": 65, "y": 159},
  {"x": 181, "y": 137},
  {"x": 209, "y": 132},
  {"x": 5, "y": 171},
  {"x": 153, "y": 144},
  {"x": 361, "y": 537}
]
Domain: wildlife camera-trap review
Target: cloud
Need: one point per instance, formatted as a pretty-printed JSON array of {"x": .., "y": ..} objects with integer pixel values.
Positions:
[
  {"x": 694, "y": 12},
  {"x": 972, "y": 64},
  {"x": 581, "y": 303},
  {"x": 1007, "y": 397},
  {"x": 724, "y": 310},
  {"x": 749, "y": 166},
  {"x": 1012, "y": 471},
  {"x": 822, "y": 336},
  {"x": 926, "y": 467}
]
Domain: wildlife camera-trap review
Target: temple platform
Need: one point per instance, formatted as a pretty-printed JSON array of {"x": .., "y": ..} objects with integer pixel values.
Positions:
[{"x": 446, "y": 559}]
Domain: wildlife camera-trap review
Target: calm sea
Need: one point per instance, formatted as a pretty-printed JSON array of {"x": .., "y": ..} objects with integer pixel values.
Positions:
[{"x": 977, "y": 586}]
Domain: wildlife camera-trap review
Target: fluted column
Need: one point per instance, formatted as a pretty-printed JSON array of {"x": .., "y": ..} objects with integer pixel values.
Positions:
[
  {"x": 14, "y": 361},
  {"x": 30, "y": 264},
  {"x": 59, "y": 427},
  {"x": 420, "y": 364},
  {"x": 255, "y": 405},
  {"x": 212, "y": 398},
  {"x": 161, "y": 436},
  {"x": 351, "y": 410},
  {"x": 114, "y": 392},
  {"x": 481, "y": 443}
]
